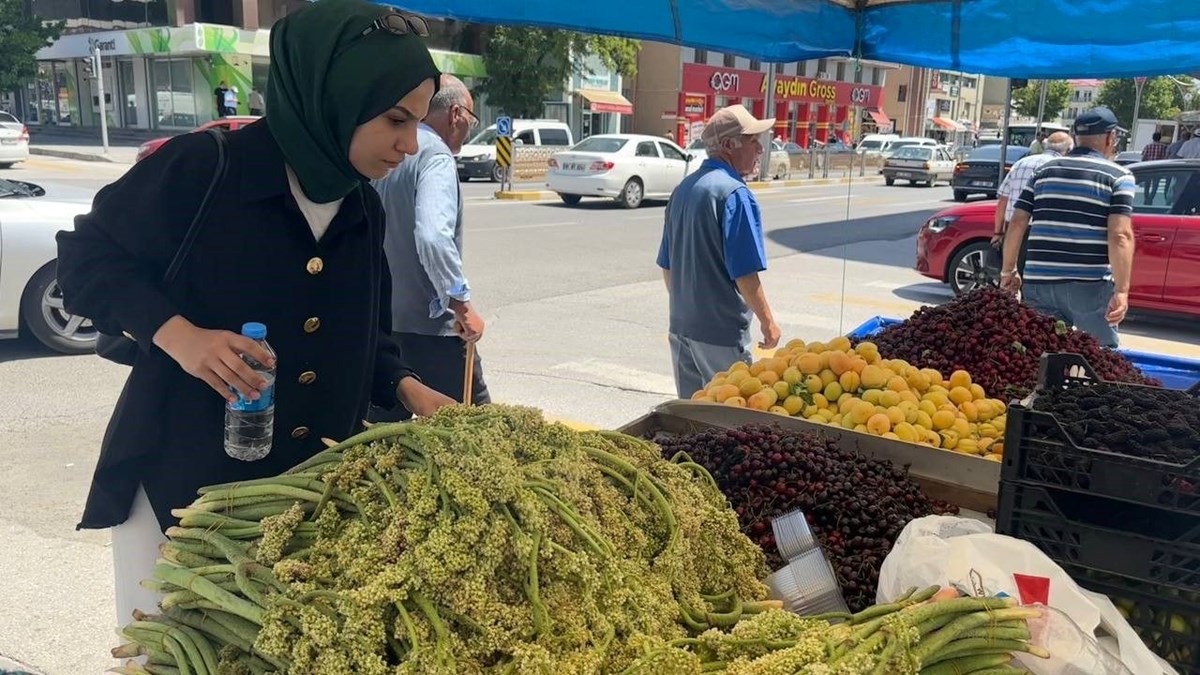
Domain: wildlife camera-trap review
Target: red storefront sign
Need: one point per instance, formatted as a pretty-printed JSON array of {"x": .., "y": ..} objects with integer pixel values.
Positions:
[{"x": 711, "y": 80}]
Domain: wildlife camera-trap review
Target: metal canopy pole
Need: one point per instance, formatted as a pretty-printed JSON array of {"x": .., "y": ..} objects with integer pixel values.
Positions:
[
  {"x": 764, "y": 164},
  {"x": 1004, "y": 135}
]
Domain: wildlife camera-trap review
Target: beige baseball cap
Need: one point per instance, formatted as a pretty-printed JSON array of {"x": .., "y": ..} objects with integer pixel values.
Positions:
[{"x": 734, "y": 121}]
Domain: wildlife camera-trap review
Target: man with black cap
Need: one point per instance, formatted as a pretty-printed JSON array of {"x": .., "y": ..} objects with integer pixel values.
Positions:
[{"x": 1078, "y": 210}]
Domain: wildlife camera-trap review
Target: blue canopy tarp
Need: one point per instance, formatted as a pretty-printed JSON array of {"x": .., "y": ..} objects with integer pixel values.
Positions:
[{"x": 1012, "y": 38}]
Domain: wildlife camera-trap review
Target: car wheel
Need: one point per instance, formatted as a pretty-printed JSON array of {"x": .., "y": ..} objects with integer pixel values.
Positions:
[
  {"x": 889, "y": 181},
  {"x": 968, "y": 270},
  {"x": 631, "y": 194},
  {"x": 960, "y": 196},
  {"x": 43, "y": 314},
  {"x": 570, "y": 200},
  {"x": 931, "y": 182},
  {"x": 497, "y": 172}
]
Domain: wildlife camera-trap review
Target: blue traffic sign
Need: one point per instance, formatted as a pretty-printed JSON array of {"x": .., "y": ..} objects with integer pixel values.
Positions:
[{"x": 504, "y": 127}]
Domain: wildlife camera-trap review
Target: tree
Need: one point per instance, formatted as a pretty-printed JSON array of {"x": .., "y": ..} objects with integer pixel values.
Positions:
[
  {"x": 21, "y": 36},
  {"x": 1027, "y": 98},
  {"x": 1161, "y": 99},
  {"x": 527, "y": 66}
]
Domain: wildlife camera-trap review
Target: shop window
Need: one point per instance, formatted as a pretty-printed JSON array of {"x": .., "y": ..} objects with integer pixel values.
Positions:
[
  {"x": 176, "y": 103},
  {"x": 779, "y": 69},
  {"x": 841, "y": 71},
  {"x": 755, "y": 65},
  {"x": 79, "y": 15},
  {"x": 902, "y": 96},
  {"x": 802, "y": 68},
  {"x": 822, "y": 69},
  {"x": 858, "y": 74},
  {"x": 702, "y": 57},
  {"x": 877, "y": 77},
  {"x": 730, "y": 61}
]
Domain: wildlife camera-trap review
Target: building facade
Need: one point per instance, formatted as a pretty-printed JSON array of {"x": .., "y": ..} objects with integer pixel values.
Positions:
[
  {"x": 946, "y": 105},
  {"x": 1083, "y": 96},
  {"x": 162, "y": 64},
  {"x": 678, "y": 88}
]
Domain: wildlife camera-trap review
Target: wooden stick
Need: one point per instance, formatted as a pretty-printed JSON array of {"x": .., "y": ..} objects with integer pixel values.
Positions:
[{"x": 469, "y": 374}]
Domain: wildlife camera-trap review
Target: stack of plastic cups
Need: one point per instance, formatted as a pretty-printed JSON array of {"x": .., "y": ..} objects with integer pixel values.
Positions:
[{"x": 807, "y": 585}]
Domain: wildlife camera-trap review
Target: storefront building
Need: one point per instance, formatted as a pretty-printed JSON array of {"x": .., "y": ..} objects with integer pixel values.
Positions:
[
  {"x": 163, "y": 78},
  {"x": 592, "y": 102},
  {"x": 823, "y": 100}
]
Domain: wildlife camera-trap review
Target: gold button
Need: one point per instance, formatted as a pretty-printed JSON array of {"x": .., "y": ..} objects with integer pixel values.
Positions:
[
  {"x": 308, "y": 377},
  {"x": 311, "y": 325},
  {"x": 315, "y": 265},
  {"x": 300, "y": 432}
]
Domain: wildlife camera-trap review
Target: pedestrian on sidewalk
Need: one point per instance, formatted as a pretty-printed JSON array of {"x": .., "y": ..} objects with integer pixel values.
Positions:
[
  {"x": 712, "y": 252},
  {"x": 349, "y": 83},
  {"x": 433, "y": 318},
  {"x": 1079, "y": 213},
  {"x": 231, "y": 101},
  {"x": 219, "y": 98},
  {"x": 256, "y": 103},
  {"x": 1056, "y": 145}
]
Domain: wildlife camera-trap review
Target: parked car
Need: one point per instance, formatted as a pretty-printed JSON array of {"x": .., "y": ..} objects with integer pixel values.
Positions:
[
  {"x": 926, "y": 164},
  {"x": 231, "y": 123},
  {"x": 780, "y": 157},
  {"x": 1166, "y": 223},
  {"x": 30, "y": 299},
  {"x": 628, "y": 168},
  {"x": 1128, "y": 157},
  {"x": 979, "y": 172},
  {"x": 14, "y": 140},
  {"x": 834, "y": 147},
  {"x": 477, "y": 159}
]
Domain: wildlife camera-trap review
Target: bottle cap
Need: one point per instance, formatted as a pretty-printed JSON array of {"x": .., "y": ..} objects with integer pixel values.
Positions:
[{"x": 254, "y": 330}]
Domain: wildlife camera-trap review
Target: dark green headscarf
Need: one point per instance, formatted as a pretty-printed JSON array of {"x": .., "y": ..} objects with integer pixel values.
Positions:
[{"x": 315, "y": 102}]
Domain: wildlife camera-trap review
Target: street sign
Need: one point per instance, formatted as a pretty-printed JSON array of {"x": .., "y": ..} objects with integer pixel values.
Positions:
[
  {"x": 504, "y": 127},
  {"x": 504, "y": 146},
  {"x": 1140, "y": 80}
]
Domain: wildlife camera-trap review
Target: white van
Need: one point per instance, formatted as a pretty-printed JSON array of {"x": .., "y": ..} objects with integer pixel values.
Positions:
[
  {"x": 874, "y": 144},
  {"x": 895, "y": 144},
  {"x": 477, "y": 159}
]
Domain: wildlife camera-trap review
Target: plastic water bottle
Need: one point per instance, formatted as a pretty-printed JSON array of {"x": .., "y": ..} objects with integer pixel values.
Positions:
[{"x": 249, "y": 424}]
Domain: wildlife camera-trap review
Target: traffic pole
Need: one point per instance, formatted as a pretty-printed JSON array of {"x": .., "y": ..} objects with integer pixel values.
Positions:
[
  {"x": 1004, "y": 135},
  {"x": 98, "y": 62},
  {"x": 764, "y": 164},
  {"x": 1138, "y": 83}
]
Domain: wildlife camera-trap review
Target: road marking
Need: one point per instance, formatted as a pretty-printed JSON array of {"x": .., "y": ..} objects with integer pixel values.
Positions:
[
  {"x": 820, "y": 199},
  {"x": 529, "y": 226},
  {"x": 622, "y": 376}
]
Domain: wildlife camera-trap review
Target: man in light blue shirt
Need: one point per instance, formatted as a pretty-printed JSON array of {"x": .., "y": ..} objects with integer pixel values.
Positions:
[
  {"x": 432, "y": 315},
  {"x": 711, "y": 253}
]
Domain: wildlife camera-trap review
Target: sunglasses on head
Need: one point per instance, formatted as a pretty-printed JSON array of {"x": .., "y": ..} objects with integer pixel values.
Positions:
[{"x": 394, "y": 23}]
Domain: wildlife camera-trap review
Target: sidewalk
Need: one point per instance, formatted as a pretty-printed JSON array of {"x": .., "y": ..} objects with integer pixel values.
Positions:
[
  {"x": 528, "y": 194},
  {"x": 10, "y": 667},
  {"x": 86, "y": 146}
]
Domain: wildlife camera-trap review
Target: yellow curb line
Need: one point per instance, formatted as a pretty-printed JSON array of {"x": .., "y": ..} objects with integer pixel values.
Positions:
[
  {"x": 526, "y": 196},
  {"x": 570, "y": 424}
]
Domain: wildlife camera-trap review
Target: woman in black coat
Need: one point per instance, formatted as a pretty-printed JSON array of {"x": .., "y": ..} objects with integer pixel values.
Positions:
[{"x": 293, "y": 239}]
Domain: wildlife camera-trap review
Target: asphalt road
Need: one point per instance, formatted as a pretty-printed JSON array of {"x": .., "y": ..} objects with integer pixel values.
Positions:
[{"x": 576, "y": 315}]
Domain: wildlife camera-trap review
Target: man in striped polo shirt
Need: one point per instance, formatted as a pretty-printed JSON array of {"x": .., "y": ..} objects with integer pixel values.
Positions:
[{"x": 1078, "y": 210}]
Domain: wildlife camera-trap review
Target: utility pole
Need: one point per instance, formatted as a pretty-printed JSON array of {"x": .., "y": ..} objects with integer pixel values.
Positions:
[
  {"x": 1042, "y": 106},
  {"x": 1004, "y": 133},
  {"x": 98, "y": 64},
  {"x": 1138, "y": 83},
  {"x": 764, "y": 164}
]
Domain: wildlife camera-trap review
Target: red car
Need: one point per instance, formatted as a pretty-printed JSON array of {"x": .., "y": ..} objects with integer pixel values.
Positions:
[
  {"x": 232, "y": 123},
  {"x": 1166, "y": 223}
]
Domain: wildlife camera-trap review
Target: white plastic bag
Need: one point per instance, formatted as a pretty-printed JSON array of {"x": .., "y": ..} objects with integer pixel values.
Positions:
[{"x": 967, "y": 554}]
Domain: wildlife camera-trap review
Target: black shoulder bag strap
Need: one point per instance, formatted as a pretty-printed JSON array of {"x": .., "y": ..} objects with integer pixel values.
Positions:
[{"x": 122, "y": 348}]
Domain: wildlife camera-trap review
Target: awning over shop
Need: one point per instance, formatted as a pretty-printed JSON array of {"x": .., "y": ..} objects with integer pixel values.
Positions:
[
  {"x": 1012, "y": 38},
  {"x": 607, "y": 101},
  {"x": 880, "y": 117},
  {"x": 948, "y": 125}
]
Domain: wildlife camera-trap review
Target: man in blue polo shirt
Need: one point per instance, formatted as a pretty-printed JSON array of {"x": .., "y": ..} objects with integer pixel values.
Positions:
[
  {"x": 1079, "y": 213},
  {"x": 712, "y": 251}
]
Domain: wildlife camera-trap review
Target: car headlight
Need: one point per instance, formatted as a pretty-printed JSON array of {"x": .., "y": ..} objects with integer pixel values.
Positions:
[{"x": 939, "y": 223}]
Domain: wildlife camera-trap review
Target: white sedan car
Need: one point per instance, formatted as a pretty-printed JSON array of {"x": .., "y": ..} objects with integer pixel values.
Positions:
[
  {"x": 626, "y": 167},
  {"x": 14, "y": 141},
  {"x": 780, "y": 161},
  {"x": 30, "y": 299}
]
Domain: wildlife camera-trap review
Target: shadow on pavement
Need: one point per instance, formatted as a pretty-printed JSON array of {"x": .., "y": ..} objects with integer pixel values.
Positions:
[
  {"x": 834, "y": 238},
  {"x": 25, "y": 349}
]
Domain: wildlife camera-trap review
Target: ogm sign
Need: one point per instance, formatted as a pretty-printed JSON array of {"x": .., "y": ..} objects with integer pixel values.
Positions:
[
  {"x": 705, "y": 79},
  {"x": 723, "y": 81}
]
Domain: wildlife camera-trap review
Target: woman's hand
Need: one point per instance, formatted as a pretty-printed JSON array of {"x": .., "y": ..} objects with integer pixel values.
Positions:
[
  {"x": 420, "y": 399},
  {"x": 215, "y": 357}
]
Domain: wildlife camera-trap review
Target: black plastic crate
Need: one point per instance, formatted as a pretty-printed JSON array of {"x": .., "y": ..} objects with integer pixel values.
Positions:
[
  {"x": 1038, "y": 449},
  {"x": 1168, "y": 621},
  {"x": 1103, "y": 534}
]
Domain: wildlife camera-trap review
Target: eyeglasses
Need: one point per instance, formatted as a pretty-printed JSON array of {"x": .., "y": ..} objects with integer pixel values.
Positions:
[
  {"x": 392, "y": 22},
  {"x": 474, "y": 121}
]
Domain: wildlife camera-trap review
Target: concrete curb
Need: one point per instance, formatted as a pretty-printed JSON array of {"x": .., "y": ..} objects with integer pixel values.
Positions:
[
  {"x": 526, "y": 195},
  {"x": 68, "y": 154}
]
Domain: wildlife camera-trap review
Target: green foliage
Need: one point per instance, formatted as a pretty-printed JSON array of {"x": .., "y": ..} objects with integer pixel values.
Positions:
[
  {"x": 1161, "y": 99},
  {"x": 528, "y": 66},
  {"x": 21, "y": 37},
  {"x": 1027, "y": 98}
]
